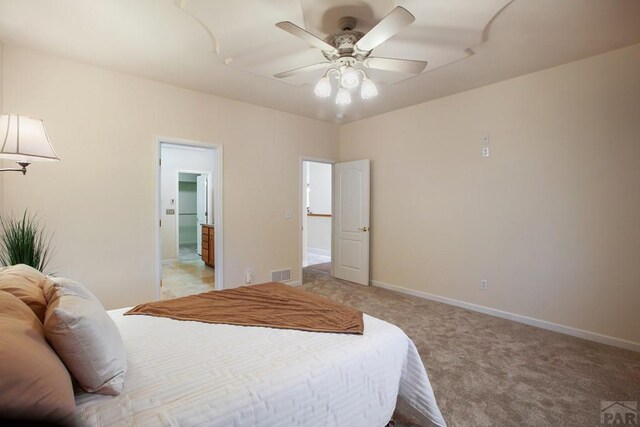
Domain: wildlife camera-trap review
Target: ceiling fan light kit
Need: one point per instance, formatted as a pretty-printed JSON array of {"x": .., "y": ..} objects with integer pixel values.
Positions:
[
  {"x": 348, "y": 78},
  {"x": 348, "y": 52}
]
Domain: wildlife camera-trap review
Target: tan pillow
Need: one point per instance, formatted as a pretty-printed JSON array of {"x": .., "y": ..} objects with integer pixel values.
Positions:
[
  {"x": 34, "y": 384},
  {"x": 26, "y": 283},
  {"x": 85, "y": 337}
]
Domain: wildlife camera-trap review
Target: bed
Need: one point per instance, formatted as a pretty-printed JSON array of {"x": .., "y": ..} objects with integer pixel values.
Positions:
[{"x": 187, "y": 373}]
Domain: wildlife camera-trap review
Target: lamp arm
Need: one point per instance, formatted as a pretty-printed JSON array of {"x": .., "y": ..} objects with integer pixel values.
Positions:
[
  {"x": 22, "y": 169},
  {"x": 336, "y": 73}
]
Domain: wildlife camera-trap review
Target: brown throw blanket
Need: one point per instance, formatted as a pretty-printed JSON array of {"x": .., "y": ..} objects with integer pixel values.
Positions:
[{"x": 272, "y": 305}]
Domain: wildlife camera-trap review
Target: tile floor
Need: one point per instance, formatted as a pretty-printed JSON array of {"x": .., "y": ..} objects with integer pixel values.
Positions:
[
  {"x": 190, "y": 277},
  {"x": 188, "y": 252}
]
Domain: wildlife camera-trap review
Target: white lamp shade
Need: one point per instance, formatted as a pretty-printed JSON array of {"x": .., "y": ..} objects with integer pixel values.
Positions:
[{"x": 24, "y": 139}]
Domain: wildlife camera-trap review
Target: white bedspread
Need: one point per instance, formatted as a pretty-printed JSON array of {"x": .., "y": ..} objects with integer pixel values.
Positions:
[{"x": 197, "y": 374}]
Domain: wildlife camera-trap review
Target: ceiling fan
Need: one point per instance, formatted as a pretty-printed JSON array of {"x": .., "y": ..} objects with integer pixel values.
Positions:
[{"x": 348, "y": 51}]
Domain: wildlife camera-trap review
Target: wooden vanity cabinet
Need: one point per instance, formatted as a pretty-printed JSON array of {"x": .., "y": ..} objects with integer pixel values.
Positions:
[{"x": 208, "y": 245}]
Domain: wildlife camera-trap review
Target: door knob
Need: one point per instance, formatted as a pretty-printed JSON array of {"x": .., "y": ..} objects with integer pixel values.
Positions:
[{"x": 363, "y": 229}]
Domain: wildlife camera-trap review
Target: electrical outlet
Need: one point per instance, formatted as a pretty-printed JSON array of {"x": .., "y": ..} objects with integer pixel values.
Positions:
[
  {"x": 483, "y": 285},
  {"x": 485, "y": 151},
  {"x": 249, "y": 276}
]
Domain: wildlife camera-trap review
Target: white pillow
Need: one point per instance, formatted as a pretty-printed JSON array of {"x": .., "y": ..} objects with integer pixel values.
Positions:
[{"x": 85, "y": 337}]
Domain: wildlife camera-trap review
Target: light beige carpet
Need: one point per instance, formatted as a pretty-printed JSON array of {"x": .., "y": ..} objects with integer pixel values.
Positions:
[
  {"x": 488, "y": 371},
  {"x": 314, "y": 270}
]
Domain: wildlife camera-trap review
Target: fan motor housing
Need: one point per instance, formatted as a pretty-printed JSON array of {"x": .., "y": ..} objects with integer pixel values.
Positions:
[{"x": 344, "y": 42}]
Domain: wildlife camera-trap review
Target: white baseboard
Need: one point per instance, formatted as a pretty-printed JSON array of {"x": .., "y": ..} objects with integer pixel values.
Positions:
[
  {"x": 294, "y": 283},
  {"x": 568, "y": 330},
  {"x": 318, "y": 251}
]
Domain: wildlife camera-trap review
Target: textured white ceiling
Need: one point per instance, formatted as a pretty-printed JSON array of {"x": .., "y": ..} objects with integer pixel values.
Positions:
[
  {"x": 441, "y": 33},
  {"x": 231, "y": 48}
]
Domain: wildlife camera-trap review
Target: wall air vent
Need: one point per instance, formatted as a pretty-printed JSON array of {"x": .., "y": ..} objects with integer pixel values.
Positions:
[{"x": 281, "y": 275}]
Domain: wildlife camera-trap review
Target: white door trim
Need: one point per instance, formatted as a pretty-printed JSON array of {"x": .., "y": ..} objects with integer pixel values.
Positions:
[
  {"x": 177, "y": 206},
  {"x": 217, "y": 214},
  {"x": 303, "y": 212}
]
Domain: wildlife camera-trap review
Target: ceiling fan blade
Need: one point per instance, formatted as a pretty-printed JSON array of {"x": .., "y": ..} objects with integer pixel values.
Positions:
[
  {"x": 302, "y": 70},
  {"x": 390, "y": 25},
  {"x": 409, "y": 66},
  {"x": 303, "y": 34}
]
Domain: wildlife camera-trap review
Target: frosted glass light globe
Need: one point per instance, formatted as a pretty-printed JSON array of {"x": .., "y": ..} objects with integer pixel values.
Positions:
[
  {"x": 368, "y": 89},
  {"x": 343, "y": 97},
  {"x": 349, "y": 78},
  {"x": 323, "y": 87}
]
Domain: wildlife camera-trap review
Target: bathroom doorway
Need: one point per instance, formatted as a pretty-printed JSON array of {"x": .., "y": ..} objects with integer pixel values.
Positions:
[
  {"x": 192, "y": 212},
  {"x": 188, "y": 191}
]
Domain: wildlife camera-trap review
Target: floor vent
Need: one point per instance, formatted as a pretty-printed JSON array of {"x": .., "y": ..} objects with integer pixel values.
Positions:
[{"x": 281, "y": 275}]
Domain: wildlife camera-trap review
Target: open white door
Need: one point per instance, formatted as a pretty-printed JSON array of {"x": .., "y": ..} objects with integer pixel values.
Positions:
[
  {"x": 305, "y": 219},
  {"x": 351, "y": 187},
  {"x": 201, "y": 207}
]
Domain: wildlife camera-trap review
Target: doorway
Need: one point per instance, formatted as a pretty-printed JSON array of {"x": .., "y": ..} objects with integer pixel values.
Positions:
[
  {"x": 192, "y": 212},
  {"x": 339, "y": 193},
  {"x": 316, "y": 218},
  {"x": 189, "y": 204}
]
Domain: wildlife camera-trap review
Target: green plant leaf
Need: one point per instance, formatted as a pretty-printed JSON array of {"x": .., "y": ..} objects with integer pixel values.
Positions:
[{"x": 24, "y": 241}]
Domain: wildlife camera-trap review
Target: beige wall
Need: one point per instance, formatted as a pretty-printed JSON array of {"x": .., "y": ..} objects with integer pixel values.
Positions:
[
  {"x": 100, "y": 199},
  {"x": 551, "y": 219},
  {"x": 1, "y": 112}
]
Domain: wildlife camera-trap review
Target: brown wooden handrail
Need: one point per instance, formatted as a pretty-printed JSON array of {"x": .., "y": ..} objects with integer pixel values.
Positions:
[{"x": 322, "y": 215}]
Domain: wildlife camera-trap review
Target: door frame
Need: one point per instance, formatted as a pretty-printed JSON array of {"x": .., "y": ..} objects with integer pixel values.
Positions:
[
  {"x": 217, "y": 214},
  {"x": 303, "y": 211},
  {"x": 177, "y": 207}
]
